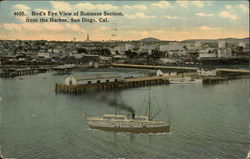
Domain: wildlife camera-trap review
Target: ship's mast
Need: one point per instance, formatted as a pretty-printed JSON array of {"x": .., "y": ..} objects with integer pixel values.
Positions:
[
  {"x": 115, "y": 103},
  {"x": 149, "y": 105},
  {"x": 248, "y": 155}
]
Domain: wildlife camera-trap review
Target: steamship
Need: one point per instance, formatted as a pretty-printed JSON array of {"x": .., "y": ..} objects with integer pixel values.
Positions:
[
  {"x": 133, "y": 124},
  {"x": 121, "y": 123}
]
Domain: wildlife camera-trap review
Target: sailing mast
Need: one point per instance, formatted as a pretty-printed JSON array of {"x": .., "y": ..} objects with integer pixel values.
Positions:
[
  {"x": 248, "y": 155},
  {"x": 115, "y": 104},
  {"x": 150, "y": 117},
  {"x": 149, "y": 105}
]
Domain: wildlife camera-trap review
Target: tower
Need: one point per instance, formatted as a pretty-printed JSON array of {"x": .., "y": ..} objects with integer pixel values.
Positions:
[{"x": 87, "y": 39}]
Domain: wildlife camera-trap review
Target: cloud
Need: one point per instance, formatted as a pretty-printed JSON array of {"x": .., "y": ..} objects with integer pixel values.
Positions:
[
  {"x": 103, "y": 28},
  {"x": 182, "y": 3},
  {"x": 11, "y": 27},
  {"x": 228, "y": 7},
  {"x": 228, "y": 15},
  {"x": 21, "y": 18},
  {"x": 41, "y": 27},
  {"x": 52, "y": 27},
  {"x": 203, "y": 33},
  {"x": 186, "y": 4},
  {"x": 90, "y": 6},
  {"x": 207, "y": 28},
  {"x": 21, "y": 7},
  {"x": 173, "y": 17},
  {"x": 62, "y": 5},
  {"x": 37, "y": 32},
  {"x": 82, "y": 6},
  {"x": 161, "y": 4},
  {"x": 204, "y": 14},
  {"x": 198, "y": 4},
  {"x": 242, "y": 7},
  {"x": 74, "y": 27},
  {"x": 139, "y": 16},
  {"x": 125, "y": 26},
  {"x": 136, "y": 6}
]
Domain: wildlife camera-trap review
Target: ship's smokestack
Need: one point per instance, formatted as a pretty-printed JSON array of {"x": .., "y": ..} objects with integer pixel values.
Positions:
[{"x": 133, "y": 114}]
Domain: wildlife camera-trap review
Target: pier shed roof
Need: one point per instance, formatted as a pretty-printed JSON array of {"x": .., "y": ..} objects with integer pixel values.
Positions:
[{"x": 96, "y": 76}]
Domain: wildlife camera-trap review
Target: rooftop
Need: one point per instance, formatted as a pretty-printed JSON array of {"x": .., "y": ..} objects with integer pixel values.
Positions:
[{"x": 96, "y": 76}]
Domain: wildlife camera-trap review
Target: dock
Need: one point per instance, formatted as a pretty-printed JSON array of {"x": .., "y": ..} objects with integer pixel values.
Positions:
[
  {"x": 214, "y": 80},
  {"x": 11, "y": 72},
  {"x": 63, "y": 69},
  {"x": 233, "y": 70},
  {"x": 220, "y": 70},
  {"x": 155, "y": 67},
  {"x": 125, "y": 83}
]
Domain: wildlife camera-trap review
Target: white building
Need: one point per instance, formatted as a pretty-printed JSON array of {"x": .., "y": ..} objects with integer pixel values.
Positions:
[
  {"x": 45, "y": 55},
  {"x": 203, "y": 72},
  {"x": 221, "y": 44},
  {"x": 78, "y": 56},
  {"x": 92, "y": 78},
  {"x": 167, "y": 60},
  {"x": 224, "y": 53},
  {"x": 160, "y": 73},
  {"x": 242, "y": 44},
  {"x": 54, "y": 50},
  {"x": 207, "y": 55}
]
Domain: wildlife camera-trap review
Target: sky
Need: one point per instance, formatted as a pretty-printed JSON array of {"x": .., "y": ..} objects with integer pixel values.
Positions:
[{"x": 165, "y": 20}]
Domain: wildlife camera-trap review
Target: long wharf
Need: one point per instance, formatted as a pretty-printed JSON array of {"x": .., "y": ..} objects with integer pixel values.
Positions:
[
  {"x": 179, "y": 68},
  {"x": 125, "y": 83}
]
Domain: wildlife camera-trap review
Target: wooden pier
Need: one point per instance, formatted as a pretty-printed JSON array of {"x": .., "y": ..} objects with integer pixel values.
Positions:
[
  {"x": 214, "y": 80},
  {"x": 155, "y": 67},
  {"x": 220, "y": 70},
  {"x": 126, "y": 83},
  {"x": 11, "y": 72},
  {"x": 64, "y": 69}
]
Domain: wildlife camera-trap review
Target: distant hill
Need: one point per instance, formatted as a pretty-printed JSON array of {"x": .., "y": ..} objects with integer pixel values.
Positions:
[
  {"x": 150, "y": 39},
  {"x": 228, "y": 40}
]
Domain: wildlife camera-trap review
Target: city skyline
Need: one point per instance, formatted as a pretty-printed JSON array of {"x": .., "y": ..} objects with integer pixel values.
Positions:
[{"x": 164, "y": 20}]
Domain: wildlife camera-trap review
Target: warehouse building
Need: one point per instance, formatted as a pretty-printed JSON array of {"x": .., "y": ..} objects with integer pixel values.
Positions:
[{"x": 92, "y": 79}]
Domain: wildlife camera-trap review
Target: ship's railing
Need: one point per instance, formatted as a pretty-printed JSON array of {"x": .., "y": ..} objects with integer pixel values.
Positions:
[{"x": 127, "y": 123}]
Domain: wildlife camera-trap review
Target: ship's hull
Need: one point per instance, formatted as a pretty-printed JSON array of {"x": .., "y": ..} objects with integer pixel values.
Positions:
[{"x": 162, "y": 129}]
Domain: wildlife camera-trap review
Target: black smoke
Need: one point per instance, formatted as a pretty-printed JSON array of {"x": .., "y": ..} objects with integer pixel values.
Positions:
[{"x": 113, "y": 100}]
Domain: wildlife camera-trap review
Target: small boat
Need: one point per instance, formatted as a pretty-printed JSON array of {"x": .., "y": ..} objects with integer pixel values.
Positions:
[
  {"x": 133, "y": 124},
  {"x": 248, "y": 155},
  {"x": 184, "y": 80}
]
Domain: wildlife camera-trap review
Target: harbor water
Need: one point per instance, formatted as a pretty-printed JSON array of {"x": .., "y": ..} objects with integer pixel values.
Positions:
[{"x": 207, "y": 121}]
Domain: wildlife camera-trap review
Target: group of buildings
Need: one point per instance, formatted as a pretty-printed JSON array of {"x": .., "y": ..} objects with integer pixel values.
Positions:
[{"x": 163, "y": 52}]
